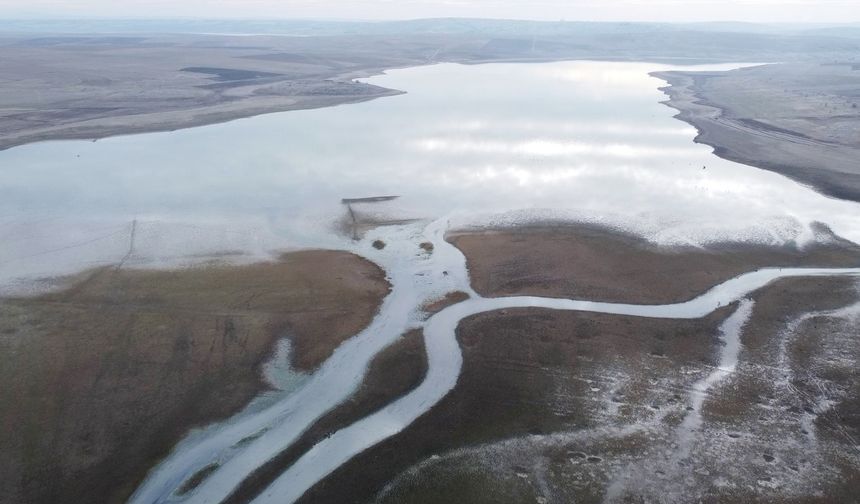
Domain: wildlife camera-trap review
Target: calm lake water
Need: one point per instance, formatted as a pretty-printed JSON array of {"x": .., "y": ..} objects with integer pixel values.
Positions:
[{"x": 494, "y": 143}]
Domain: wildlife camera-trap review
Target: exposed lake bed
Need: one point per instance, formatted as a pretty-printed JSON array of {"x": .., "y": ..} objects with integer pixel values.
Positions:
[
  {"x": 110, "y": 373},
  {"x": 660, "y": 222},
  {"x": 799, "y": 120}
]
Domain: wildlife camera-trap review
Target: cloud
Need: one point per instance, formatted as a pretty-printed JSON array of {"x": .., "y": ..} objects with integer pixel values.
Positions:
[{"x": 603, "y": 10}]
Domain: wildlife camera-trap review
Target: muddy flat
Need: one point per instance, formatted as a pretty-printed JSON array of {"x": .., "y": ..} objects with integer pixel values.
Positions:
[
  {"x": 107, "y": 375},
  {"x": 561, "y": 406},
  {"x": 582, "y": 261},
  {"x": 801, "y": 119}
]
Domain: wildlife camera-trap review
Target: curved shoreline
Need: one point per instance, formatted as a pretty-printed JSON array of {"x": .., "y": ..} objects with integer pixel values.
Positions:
[
  {"x": 171, "y": 120},
  {"x": 240, "y": 445},
  {"x": 754, "y": 143}
]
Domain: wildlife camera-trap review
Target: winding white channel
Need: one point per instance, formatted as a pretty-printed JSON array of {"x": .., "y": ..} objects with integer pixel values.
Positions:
[
  {"x": 416, "y": 278},
  {"x": 445, "y": 360},
  {"x": 241, "y": 445}
]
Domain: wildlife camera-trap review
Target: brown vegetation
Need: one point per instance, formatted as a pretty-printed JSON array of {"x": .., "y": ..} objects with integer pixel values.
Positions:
[
  {"x": 103, "y": 378},
  {"x": 589, "y": 262},
  {"x": 533, "y": 371},
  {"x": 447, "y": 300}
]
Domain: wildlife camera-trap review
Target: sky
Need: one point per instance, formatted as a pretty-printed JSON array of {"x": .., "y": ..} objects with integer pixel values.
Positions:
[{"x": 838, "y": 11}]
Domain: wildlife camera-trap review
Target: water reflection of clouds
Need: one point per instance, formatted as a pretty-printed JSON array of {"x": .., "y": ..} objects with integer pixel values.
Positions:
[
  {"x": 543, "y": 147},
  {"x": 550, "y": 128},
  {"x": 466, "y": 139},
  {"x": 599, "y": 75}
]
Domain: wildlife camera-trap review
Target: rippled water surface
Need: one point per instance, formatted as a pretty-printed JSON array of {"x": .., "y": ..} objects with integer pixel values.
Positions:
[{"x": 484, "y": 143}]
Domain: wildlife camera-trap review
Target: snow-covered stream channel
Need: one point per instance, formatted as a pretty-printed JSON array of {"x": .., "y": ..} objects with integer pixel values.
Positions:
[{"x": 242, "y": 446}]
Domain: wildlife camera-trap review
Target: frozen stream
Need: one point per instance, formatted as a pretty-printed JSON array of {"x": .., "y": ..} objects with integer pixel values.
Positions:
[
  {"x": 416, "y": 278},
  {"x": 445, "y": 360}
]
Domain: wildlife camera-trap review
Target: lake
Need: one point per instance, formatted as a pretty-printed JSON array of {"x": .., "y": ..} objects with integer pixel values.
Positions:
[{"x": 485, "y": 144}]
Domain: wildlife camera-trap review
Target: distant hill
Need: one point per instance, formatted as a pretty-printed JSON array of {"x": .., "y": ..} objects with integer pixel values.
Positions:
[{"x": 450, "y": 26}]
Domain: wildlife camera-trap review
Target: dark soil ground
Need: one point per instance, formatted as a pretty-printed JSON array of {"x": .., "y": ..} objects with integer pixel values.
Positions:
[
  {"x": 582, "y": 261},
  {"x": 102, "y": 379},
  {"x": 534, "y": 372},
  {"x": 801, "y": 120},
  {"x": 556, "y": 407}
]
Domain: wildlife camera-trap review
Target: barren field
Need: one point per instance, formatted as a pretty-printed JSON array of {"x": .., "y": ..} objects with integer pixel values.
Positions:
[
  {"x": 529, "y": 374},
  {"x": 581, "y": 261},
  {"x": 595, "y": 424},
  {"x": 553, "y": 407},
  {"x": 801, "y": 120},
  {"x": 109, "y": 374},
  {"x": 93, "y": 87}
]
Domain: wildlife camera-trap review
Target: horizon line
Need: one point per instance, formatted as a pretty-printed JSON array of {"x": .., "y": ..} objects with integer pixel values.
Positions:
[{"x": 406, "y": 20}]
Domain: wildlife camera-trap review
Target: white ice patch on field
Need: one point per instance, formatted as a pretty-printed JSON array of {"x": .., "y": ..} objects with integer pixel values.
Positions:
[{"x": 278, "y": 372}]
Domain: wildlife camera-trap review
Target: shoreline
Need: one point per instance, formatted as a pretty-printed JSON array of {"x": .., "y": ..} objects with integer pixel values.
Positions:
[
  {"x": 232, "y": 108},
  {"x": 171, "y": 120},
  {"x": 825, "y": 166}
]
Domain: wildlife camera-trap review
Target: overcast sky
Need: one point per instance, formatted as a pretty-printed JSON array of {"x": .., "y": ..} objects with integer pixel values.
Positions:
[{"x": 841, "y": 11}]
